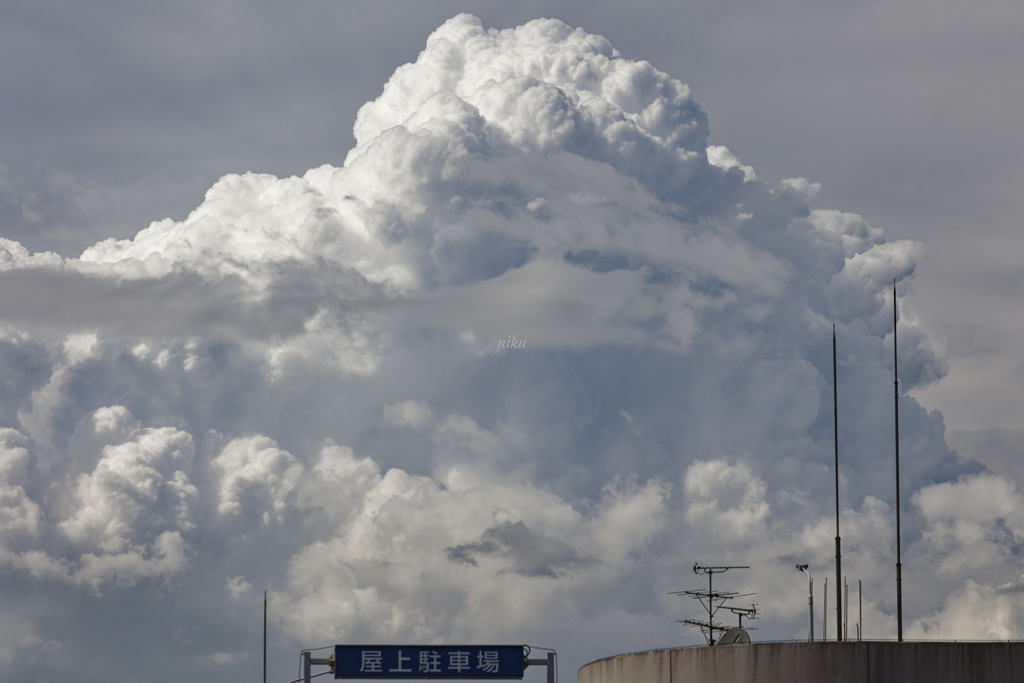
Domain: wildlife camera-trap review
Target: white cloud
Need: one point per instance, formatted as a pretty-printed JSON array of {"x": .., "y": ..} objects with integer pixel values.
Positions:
[
  {"x": 115, "y": 424},
  {"x": 165, "y": 556},
  {"x": 975, "y": 612},
  {"x": 124, "y": 519},
  {"x": 299, "y": 385},
  {"x": 20, "y": 516},
  {"x": 139, "y": 487},
  {"x": 238, "y": 587},
  {"x": 416, "y": 559},
  {"x": 629, "y": 516},
  {"x": 17, "y": 643},
  {"x": 14, "y": 255},
  {"x": 725, "y": 499},
  {"x": 972, "y": 523},
  {"x": 222, "y": 658},
  {"x": 720, "y": 156},
  {"x": 258, "y": 478}
]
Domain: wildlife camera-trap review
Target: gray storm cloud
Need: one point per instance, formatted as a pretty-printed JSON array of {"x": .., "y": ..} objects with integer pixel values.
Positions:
[{"x": 300, "y": 385}]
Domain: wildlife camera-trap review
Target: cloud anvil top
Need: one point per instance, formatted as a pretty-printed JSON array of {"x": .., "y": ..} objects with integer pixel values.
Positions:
[{"x": 320, "y": 386}]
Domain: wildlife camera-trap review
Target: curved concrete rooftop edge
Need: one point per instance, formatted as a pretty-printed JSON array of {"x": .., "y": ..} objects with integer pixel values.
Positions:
[{"x": 828, "y": 662}]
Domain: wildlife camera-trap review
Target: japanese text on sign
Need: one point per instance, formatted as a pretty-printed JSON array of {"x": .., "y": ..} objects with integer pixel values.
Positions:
[{"x": 428, "y": 661}]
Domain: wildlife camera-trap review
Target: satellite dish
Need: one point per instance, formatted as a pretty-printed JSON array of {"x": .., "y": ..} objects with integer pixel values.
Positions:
[{"x": 735, "y": 636}]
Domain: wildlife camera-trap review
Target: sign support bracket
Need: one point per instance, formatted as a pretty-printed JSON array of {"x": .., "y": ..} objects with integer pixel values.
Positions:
[{"x": 549, "y": 662}]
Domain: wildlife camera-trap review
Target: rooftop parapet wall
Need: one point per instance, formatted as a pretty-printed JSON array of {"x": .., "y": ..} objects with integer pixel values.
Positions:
[{"x": 850, "y": 662}]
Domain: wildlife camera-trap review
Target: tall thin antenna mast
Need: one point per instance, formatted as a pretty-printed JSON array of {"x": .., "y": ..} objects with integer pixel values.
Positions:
[
  {"x": 839, "y": 566},
  {"x": 896, "y": 403}
]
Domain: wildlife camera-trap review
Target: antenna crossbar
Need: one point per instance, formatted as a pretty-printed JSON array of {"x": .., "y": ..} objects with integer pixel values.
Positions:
[
  {"x": 697, "y": 569},
  {"x": 705, "y": 625},
  {"x": 707, "y": 594}
]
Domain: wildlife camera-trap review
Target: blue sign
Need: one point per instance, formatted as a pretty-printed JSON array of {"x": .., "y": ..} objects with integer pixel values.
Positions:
[{"x": 428, "y": 661}]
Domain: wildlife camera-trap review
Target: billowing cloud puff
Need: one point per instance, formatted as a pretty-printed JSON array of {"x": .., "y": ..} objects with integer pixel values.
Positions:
[
  {"x": 20, "y": 516},
  {"x": 532, "y": 350},
  {"x": 139, "y": 486},
  {"x": 971, "y": 522},
  {"x": 408, "y": 556},
  {"x": 26, "y": 365},
  {"x": 976, "y": 612},
  {"x": 257, "y": 477},
  {"x": 724, "y": 499},
  {"x": 123, "y": 520}
]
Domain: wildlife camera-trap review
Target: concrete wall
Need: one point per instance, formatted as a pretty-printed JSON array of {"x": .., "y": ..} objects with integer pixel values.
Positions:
[{"x": 850, "y": 662}]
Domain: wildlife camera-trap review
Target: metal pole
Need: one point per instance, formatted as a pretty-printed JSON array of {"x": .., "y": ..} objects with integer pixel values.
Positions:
[
  {"x": 839, "y": 566},
  {"x": 264, "y": 636},
  {"x": 846, "y": 609},
  {"x": 711, "y": 615},
  {"x": 810, "y": 608},
  {"x": 306, "y": 666},
  {"x": 896, "y": 402},
  {"x": 551, "y": 667},
  {"x": 824, "y": 613},
  {"x": 860, "y": 610},
  {"x": 810, "y": 602}
]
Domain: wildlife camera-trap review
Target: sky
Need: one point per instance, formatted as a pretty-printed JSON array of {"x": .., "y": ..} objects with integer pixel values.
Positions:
[{"x": 444, "y": 323}]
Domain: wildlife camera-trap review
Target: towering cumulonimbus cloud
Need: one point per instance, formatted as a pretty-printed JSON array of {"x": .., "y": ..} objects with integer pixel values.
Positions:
[{"x": 308, "y": 385}]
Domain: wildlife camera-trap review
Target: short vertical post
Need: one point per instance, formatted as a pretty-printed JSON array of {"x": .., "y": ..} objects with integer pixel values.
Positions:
[
  {"x": 810, "y": 608},
  {"x": 551, "y": 667},
  {"x": 860, "y": 609},
  {"x": 846, "y": 610},
  {"x": 306, "y": 666}
]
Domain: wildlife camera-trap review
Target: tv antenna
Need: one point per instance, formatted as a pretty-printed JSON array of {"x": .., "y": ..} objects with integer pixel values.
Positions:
[{"x": 713, "y": 601}]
